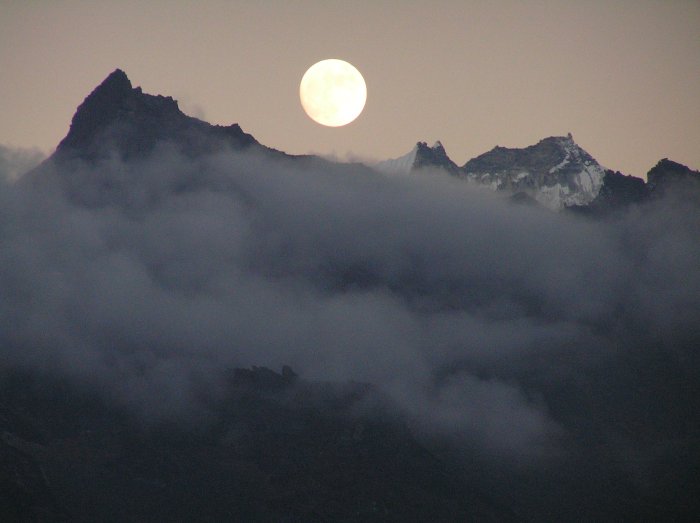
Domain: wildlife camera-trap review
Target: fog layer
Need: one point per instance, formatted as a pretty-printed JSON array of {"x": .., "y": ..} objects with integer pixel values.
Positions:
[{"x": 506, "y": 327}]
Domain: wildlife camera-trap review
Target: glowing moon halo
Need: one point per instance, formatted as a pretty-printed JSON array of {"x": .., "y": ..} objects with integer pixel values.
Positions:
[{"x": 333, "y": 92}]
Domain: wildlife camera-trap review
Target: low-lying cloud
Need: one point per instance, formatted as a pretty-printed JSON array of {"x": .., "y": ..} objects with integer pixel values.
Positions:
[
  {"x": 15, "y": 161},
  {"x": 507, "y": 326}
]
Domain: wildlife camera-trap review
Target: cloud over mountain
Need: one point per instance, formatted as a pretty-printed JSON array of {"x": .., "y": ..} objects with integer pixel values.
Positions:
[{"x": 16, "y": 161}]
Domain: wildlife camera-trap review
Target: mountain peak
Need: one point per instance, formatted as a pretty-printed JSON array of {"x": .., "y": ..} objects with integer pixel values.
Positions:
[
  {"x": 98, "y": 109},
  {"x": 433, "y": 157},
  {"x": 116, "y": 81},
  {"x": 118, "y": 118},
  {"x": 422, "y": 156},
  {"x": 556, "y": 171}
]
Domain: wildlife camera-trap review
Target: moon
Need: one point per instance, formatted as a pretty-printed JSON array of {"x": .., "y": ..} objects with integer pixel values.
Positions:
[{"x": 333, "y": 92}]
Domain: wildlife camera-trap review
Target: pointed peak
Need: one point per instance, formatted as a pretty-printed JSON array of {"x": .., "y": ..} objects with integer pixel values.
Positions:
[
  {"x": 433, "y": 156},
  {"x": 116, "y": 85},
  {"x": 117, "y": 76},
  {"x": 99, "y": 108}
]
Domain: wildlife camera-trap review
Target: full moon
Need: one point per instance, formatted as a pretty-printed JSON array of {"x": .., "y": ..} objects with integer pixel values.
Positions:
[{"x": 333, "y": 92}]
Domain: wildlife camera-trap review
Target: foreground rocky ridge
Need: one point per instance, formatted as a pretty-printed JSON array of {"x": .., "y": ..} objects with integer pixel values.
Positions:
[{"x": 273, "y": 447}]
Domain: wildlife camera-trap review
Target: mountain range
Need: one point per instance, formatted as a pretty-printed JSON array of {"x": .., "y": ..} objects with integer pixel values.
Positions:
[
  {"x": 513, "y": 339},
  {"x": 556, "y": 172},
  {"x": 117, "y": 118}
]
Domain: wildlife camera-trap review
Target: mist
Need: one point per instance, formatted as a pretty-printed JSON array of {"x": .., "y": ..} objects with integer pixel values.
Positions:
[
  {"x": 527, "y": 335},
  {"x": 15, "y": 161}
]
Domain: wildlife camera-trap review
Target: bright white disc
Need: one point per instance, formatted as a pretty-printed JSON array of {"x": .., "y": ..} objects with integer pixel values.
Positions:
[{"x": 333, "y": 92}]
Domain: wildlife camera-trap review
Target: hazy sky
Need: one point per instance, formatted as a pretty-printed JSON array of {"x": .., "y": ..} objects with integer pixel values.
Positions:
[{"x": 623, "y": 77}]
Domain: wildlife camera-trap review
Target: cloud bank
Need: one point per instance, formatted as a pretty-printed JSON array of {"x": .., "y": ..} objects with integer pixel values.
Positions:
[
  {"x": 15, "y": 161},
  {"x": 504, "y": 327}
]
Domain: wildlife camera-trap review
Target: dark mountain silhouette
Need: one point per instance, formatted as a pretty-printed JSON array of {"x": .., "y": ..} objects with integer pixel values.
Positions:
[
  {"x": 120, "y": 124},
  {"x": 117, "y": 118},
  {"x": 617, "y": 192},
  {"x": 667, "y": 174}
]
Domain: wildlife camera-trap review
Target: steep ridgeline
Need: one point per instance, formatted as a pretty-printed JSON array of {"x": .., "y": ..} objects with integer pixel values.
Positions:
[
  {"x": 421, "y": 156},
  {"x": 118, "y": 129},
  {"x": 117, "y": 118},
  {"x": 556, "y": 171}
]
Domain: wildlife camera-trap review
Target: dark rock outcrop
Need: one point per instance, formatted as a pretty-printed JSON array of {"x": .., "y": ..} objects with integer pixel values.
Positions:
[
  {"x": 617, "y": 193},
  {"x": 433, "y": 157},
  {"x": 667, "y": 174}
]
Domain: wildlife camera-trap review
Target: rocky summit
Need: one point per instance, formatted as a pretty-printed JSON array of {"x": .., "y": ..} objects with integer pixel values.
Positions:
[
  {"x": 556, "y": 172},
  {"x": 117, "y": 118}
]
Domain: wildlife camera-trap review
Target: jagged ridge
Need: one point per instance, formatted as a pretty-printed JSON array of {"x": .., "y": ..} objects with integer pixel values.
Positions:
[
  {"x": 116, "y": 117},
  {"x": 556, "y": 171}
]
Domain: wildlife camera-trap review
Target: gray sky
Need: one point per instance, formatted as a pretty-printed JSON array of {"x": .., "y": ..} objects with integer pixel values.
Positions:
[{"x": 623, "y": 77}]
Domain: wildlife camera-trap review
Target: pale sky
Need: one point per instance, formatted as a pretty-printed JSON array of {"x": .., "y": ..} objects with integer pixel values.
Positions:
[{"x": 622, "y": 76}]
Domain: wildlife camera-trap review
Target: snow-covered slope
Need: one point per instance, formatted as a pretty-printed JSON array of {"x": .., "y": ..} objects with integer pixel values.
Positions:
[
  {"x": 401, "y": 165},
  {"x": 556, "y": 171},
  {"x": 422, "y": 156}
]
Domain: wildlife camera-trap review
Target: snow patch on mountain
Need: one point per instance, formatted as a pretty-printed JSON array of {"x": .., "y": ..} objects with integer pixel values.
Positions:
[
  {"x": 422, "y": 156},
  {"x": 401, "y": 165},
  {"x": 580, "y": 181},
  {"x": 556, "y": 172}
]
